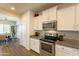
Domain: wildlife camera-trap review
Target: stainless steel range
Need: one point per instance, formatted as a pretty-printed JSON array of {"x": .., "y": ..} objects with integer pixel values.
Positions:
[
  {"x": 47, "y": 48},
  {"x": 47, "y": 45}
]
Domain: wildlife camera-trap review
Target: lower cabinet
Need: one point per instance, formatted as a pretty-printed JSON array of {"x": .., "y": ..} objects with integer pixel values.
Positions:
[
  {"x": 59, "y": 50},
  {"x": 66, "y": 51},
  {"x": 32, "y": 44},
  {"x": 35, "y": 45}
]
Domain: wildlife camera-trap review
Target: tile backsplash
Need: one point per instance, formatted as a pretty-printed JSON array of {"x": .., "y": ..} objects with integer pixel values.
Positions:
[
  {"x": 41, "y": 32},
  {"x": 67, "y": 34},
  {"x": 71, "y": 34}
]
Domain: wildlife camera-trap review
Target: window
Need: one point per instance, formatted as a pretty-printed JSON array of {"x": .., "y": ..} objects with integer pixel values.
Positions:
[
  {"x": 1, "y": 28},
  {"x": 5, "y": 28}
]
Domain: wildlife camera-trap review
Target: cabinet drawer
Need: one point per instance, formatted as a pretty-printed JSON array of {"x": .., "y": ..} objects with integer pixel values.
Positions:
[{"x": 66, "y": 51}]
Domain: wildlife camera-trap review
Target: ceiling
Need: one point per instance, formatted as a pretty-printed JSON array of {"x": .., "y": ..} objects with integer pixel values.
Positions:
[{"x": 22, "y": 7}]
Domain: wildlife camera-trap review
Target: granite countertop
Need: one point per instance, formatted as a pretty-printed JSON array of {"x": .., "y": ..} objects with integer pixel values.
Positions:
[
  {"x": 36, "y": 37},
  {"x": 69, "y": 43},
  {"x": 66, "y": 42}
]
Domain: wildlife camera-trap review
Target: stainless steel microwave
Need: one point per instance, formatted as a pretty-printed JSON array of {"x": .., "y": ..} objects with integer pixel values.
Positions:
[{"x": 50, "y": 25}]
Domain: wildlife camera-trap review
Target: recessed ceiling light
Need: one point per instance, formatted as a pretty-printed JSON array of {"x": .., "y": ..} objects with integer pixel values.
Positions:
[{"x": 12, "y": 8}]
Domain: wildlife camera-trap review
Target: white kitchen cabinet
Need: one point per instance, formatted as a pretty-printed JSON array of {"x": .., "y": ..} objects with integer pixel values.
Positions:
[
  {"x": 37, "y": 22},
  {"x": 53, "y": 13},
  {"x": 45, "y": 15},
  {"x": 32, "y": 44},
  {"x": 77, "y": 18},
  {"x": 50, "y": 14},
  {"x": 66, "y": 51},
  {"x": 59, "y": 50},
  {"x": 35, "y": 45},
  {"x": 66, "y": 17}
]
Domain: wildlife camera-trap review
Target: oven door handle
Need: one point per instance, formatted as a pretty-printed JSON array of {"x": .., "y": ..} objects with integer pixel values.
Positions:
[{"x": 47, "y": 42}]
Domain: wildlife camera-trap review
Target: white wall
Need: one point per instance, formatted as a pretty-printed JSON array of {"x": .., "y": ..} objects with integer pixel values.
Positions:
[
  {"x": 25, "y": 25},
  {"x": 31, "y": 23}
]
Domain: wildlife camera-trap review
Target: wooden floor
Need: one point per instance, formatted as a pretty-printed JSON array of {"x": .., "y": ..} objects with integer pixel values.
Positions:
[{"x": 14, "y": 49}]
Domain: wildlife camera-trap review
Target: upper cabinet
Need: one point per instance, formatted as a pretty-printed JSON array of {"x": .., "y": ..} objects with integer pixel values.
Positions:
[
  {"x": 53, "y": 13},
  {"x": 77, "y": 18},
  {"x": 47, "y": 15},
  {"x": 66, "y": 17},
  {"x": 50, "y": 14},
  {"x": 37, "y": 23}
]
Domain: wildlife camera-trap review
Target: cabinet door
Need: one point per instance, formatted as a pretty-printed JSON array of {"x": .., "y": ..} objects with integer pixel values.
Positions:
[
  {"x": 59, "y": 50},
  {"x": 37, "y": 23},
  {"x": 45, "y": 15},
  {"x": 66, "y": 17},
  {"x": 77, "y": 18},
  {"x": 32, "y": 44},
  {"x": 37, "y": 46},
  {"x": 52, "y": 13},
  {"x": 68, "y": 51}
]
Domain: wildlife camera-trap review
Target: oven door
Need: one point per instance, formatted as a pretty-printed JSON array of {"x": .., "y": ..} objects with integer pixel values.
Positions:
[{"x": 47, "y": 49}]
